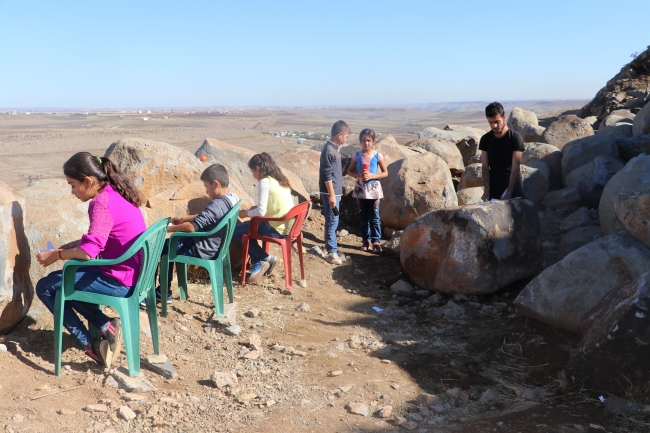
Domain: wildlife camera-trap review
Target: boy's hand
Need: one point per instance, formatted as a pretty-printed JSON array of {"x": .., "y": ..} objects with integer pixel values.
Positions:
[
  {"x": 332, "y": 201},
  {"x": 177, "y": 220},
  {"x": 46, "y": 258}
]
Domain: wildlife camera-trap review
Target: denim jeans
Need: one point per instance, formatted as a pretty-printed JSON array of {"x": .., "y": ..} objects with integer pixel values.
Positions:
[
  {"x": 185, "y": 247},
  {"x": 88, "y": 280},
  {"x": 331, "y": 223},
  {"x": 255, "y": 251},
  {"x": 369, "y": 220}
]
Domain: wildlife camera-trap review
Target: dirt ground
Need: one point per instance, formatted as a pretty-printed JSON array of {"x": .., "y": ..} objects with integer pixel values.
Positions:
[{"x": 472, "y": 353}]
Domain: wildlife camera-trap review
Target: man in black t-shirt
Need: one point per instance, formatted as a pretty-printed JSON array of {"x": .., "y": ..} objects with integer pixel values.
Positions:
[{"x": 501, "y": 150}]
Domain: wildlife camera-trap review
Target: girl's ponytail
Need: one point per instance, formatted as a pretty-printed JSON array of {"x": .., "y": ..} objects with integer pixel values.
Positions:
[
  {"x": 83, "y": 164},
  {"x": 268, "y": 167}
]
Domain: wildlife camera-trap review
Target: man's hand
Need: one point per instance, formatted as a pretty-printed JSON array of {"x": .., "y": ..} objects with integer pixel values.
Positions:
[
  {"x": 46, "y": 258},
  {"x": 332, "y": 201},
  {"x": 506, "y": 194},
  {"x": 486, "y": 195}
]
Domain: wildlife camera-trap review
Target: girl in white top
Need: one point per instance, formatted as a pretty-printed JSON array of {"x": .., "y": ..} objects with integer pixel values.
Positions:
[{"x": 273, "y": 200}]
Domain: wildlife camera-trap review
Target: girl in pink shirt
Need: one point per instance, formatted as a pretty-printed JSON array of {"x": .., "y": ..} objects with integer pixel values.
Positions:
[{"x": 115, "y": 223}]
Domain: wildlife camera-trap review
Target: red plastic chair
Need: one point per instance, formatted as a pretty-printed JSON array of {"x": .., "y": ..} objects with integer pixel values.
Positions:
[{"x": 299, "y": 213}]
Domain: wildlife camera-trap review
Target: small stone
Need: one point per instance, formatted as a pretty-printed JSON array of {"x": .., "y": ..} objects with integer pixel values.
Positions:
[
  {"x": 138, "y": 383},
  {"x": 221, "y": 380},
  {"x": 64, "y": 411},
  {"x": 346, "y": 388},
  {"x": 3, "y": 347},
  {"x": 304, "y": 307},
  {"x": 398, "y": 420},
  {"x": 343, "y": 233},
  {"x": 316, "y": 250},
  {"x": 453, "y": 392},
  {"x": 170, "y": 401},
  {"x": 157, "y": 359},
  {"x": 233, "y": 330},
  {"x": 131, "y": 396},
  {"x": 416, "y": 417},
  {"x": 335, "y": 373},
  {"x": 109, "y": 381},
  {"x": 126, "y": 413},
  {"x": 394, "y": 386},
  {"x": 422, "y": 293},
  {"x": 96, "y": 408},
  {"x": 359, "y": 409},
  {"x": 489, "y": 396},
  {"x": 246, "y": 398},
  {"x": 253, "y": 312},
  {"x": 386, "y": 411},
  {"x": 410, "y": 425},
  {"x": 428, "y": 399},
  {"x": 255, "y": 342},
  {"x": 402, "y": 288},
  {"x": 253, "y": 354},
  {"x": 531, "y": 394},
  {"x": 18, "y": 418},
  {"x": 229, "y": 315}
]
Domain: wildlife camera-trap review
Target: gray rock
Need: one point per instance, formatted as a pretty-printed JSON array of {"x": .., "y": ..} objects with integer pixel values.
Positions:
[
  {"x": 566, "y": 200},
  {"x": 303, "y": 307},
  {"x": 473, "y": 249},
  {"x": 642, "y": 121},
  {"x": 579, "y": 152},
  {"x": 549, "y": 155},
  {"x": 403, "y": 288},
  {"x": 359, "y": 409},
  {"x": 591, "y": 178},
  {"x": 233, "y": 330},
  {"x": 579, "y": 218},
  {"x": 617, "y": 126},
  {"x": 634, "y": 177},
  {"x": 534, "y": 181},
  {"x": 472, "y": 177},
  {"x": 578, "y": 237},
  {"x": 565, "y": 129},
  {"x": 447, "y": 150},
  {"x": 564, "y": 292},
  {"x": 223, "y": 379},
  {"x": 623, "y": 406},
  {"x": 633, "y": 211},
  {"x": 229, "y": 317},
  {"x": 489, "y": 396},
  {"x": 161, "y": 365},
  {"x": 533, "y": 133},
  {"x": 138, "y": 383},
  {"x": 392, "y": 247},
  {"x": 630, "y": 147},
  {"x": 532, "y": 394}
]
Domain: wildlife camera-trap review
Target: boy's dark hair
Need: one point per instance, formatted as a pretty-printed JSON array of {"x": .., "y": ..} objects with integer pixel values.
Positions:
[
  {"x": 216, "y": 172},
  {"x": 83, "y": 164},
  {"x": 340, "y": 127},
  {"x": 494, "y": 109},
  {"x": 268, "y": 167},
  {"x": 369, "y": 132}
]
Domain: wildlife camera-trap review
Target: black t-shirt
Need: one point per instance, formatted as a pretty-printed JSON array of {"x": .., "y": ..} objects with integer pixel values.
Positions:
[{"x": 500, "y": 152}]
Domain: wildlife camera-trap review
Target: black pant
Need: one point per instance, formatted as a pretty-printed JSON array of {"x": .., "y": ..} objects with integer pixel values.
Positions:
[{"x": 497, "y": 190}]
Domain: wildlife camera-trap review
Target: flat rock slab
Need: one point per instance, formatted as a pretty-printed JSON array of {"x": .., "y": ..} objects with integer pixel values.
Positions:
[
  {"x": 138, "y": 383},
  {"x": 161, "y": 365}
]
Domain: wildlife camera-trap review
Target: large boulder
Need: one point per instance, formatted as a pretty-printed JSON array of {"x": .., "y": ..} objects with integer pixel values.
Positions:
[
  {"x": 630, "y": 147},
  {"x": 613, "y": 354},
  {"x": 633, "y": 211},
  {"x": 535, "y": 181},
  {"x": 533, "y": 133},
  {"x": 154, "y": 166},
  {"x": 235, "y": 159},
  {"x": 391, "y": 150},
  {"x": 551, "y": 156},
  {"x": 415, "y": 186},
  {"x": 520, "y": 118},
  {"x": 617, "y": 126},
  {"x": 578, "y": 237},
  {"x": 564, "y": 292},
  {"x": 16, "y": 290},
  {"x": 473, "y": 249},
  {"x": 465, "y": 138},
  {"x": 641, "y": 124},
  {"x": 469, "y": 196},
  {"x": 446, "y": 150},
  {"x": 305, "y": 163},
  {"x": 634, "y": 177},
  {"x": 566, "y": 200},
  {"x": 591, "y": 178},
  {"x": 565, "y": 129},
  {"x": 472, "y": 177},
  {"x": 579, "y": 152}
]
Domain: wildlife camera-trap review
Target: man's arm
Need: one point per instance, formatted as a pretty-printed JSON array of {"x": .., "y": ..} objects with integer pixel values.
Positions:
[
  {"x": 514, "y": 174},
  {"x": 485, "y": 175}
]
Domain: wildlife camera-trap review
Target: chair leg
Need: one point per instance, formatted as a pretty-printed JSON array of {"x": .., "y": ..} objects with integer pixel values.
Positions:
[
  {"x": 216, "y": 280},
  {"x": 303, "y": 280},
  {"x": 91, "y": 328},
  {"x": 59, "y": 302},
  {"x": 164, "y": 284},
  {"x": 244, "y": 256},
  {"x": 152, "y": 313},
  {"x": 227, "y": 275},
  {"x": 131, "y": 337},
  {"x": 266, "y": 246},
  {"x": 286, "y": 256},
  {"x": 181, "y": 274}
]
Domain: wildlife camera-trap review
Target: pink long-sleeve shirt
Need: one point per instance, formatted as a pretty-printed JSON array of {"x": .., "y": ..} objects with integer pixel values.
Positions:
[{"x": 115, "y": 224}]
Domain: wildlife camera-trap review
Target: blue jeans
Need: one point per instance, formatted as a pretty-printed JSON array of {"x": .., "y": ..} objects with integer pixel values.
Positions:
[
  {"x": 87, "y": 280},
  {"x": 255, "y": 251},
  {"x": 331, "y": 223},
  {"x": 185, "y": 247},
  {"x": 369, "y": 220}
]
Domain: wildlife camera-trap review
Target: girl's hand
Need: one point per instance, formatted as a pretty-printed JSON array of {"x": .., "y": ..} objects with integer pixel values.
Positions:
[
  {"x": 243, "y": 213},
  {"x": 46, "y": 258},
  {"x": 366, "y": 175}
]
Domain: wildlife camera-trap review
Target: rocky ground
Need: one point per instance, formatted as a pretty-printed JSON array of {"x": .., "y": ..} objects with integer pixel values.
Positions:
[{"x": 344, "y": 354}]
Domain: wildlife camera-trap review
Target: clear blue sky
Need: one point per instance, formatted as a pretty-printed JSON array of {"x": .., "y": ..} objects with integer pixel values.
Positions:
[{"x": 70, "y": 54}]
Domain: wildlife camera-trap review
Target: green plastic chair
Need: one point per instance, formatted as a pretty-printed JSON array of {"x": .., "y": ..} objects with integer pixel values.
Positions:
[
  {"x": 218, "y": 268},
  {"x": 150, "y": 243}
]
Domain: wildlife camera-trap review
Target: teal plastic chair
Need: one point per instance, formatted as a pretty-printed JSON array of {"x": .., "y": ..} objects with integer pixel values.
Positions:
[
  {"x": 218, "y": 268},
  {"x": 150, "y": 243}
]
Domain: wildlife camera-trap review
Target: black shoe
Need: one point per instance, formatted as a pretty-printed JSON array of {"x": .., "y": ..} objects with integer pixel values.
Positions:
[
  {"x": 113, "y": 334},
  {"x": 100, "y": 351}
]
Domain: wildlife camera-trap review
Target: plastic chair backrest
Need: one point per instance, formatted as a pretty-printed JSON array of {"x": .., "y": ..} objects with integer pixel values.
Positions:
[
  {"x": 230, "y": 221},
  {"x": 300, "y": 212},
  {"x": 152, "y": 241}
]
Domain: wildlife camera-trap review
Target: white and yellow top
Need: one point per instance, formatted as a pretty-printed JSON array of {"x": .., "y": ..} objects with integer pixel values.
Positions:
[{"x": 273, "y": 200}]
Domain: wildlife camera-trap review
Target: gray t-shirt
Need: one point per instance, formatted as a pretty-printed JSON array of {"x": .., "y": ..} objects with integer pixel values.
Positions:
[
  {"x": 207, "y": 247},
  {"x": 330, "y": 169}
]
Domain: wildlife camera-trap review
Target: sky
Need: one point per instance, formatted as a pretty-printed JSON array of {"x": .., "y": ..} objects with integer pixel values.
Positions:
[{"x": 128, "y": 54}]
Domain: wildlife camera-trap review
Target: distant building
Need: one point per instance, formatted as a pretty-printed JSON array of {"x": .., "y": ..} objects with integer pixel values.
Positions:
[
  {"x": 145, "y": 119},
  {"x": 299, "y": 140}
]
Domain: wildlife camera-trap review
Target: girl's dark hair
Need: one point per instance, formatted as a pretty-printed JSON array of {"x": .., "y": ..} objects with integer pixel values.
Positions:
[
  {"x": 367, "y": 131},
  {"x": 82, "y": 165},
  {"x": 268, "y": 167}
]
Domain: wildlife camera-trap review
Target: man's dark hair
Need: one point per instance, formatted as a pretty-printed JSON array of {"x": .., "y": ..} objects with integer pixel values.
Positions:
[
  {"x": 494, "y": 109},
  {"x": 340, "y": 126},
  {"x": 216, "y": 172}
]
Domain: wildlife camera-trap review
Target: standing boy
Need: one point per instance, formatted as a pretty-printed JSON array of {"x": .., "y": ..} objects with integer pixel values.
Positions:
[
  {"x": 330, "y": 181},
  {"x": 501, "y": 150}
]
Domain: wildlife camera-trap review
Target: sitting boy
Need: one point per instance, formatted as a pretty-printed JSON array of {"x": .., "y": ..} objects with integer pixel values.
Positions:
[{"x": 215, "y": 179}]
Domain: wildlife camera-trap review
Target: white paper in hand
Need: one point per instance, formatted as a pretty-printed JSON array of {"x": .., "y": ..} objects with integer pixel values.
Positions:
[{"x": 47, "y": 248}]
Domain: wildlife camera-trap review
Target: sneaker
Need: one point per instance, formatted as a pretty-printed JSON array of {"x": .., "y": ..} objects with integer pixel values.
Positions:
[
  {"x": 100, "y": 351},
  {"x": 113, "y": 334},
  {"x": 376, "y": 247},
  {"x": 143, "y": 303},
  {"x": 258, "y": 271},
  {"x": 271, "y": 260},
  {"x": 333, "y": 258},
  {"x": 365, "y": 246}
]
